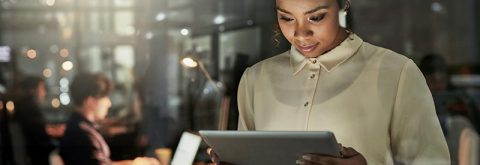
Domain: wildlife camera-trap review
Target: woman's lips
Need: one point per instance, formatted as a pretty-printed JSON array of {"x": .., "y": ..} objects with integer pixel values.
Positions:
[{"x": 308, "y": 48}]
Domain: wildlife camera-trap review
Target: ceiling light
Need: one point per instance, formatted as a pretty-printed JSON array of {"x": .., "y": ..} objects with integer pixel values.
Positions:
[{"x": 189, "y": 62}]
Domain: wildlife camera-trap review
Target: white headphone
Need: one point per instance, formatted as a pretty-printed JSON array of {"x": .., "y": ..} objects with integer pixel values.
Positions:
[{"x": 342, "y": 14}]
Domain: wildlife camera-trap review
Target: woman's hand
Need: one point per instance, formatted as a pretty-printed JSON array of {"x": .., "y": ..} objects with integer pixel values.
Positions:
[
  {"x": 145, "y": 161},
  {"x": 349, "y": 156},
  {"x": 214, "y": 157}
]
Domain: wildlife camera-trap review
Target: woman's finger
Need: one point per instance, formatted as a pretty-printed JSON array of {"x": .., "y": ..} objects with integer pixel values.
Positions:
[
  {"x": 317, "y": 159},
  {"x": 209, "y": 150},
  {"x": 213, "y": 156},
  {"x": 349, "y": 152}
]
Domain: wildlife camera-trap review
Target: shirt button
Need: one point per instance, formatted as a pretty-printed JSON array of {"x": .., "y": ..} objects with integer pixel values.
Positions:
[
  {"x": 306, "y": 104},
  {"x": 314, "y": 61},
  {"x": 312, "y": 76}
]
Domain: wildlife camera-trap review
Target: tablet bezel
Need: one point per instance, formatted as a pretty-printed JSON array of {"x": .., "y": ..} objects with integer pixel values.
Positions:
[{"x": 269, "y": 147}]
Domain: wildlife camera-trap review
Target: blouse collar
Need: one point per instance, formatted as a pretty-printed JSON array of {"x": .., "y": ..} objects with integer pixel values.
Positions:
[{"x": 330, "y": 60}]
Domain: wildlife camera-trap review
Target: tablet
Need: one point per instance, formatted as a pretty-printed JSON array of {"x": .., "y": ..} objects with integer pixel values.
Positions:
[{"x": 269, "y": 147}]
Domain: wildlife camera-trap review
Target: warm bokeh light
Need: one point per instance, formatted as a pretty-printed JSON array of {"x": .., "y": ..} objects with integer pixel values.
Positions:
[
  {"x": 130, "y": 30},
  {"x": 32, "y": 54},
  {"x": 55, "y": 103},
  {"x": 189, "y": 62},
  {"x": 184, "y": 31},
  {"x": 149, "y": 35},
  {"x": 67, "y": 65},
  {"x": 64, "y": 53},
  {"x": 50, "y": 2},
  {"x": 67, "y": 33},
  {"x": 10, "y": 107},
  {"x": 47, "y": 73},
  {"x": 160, "y": 17}
]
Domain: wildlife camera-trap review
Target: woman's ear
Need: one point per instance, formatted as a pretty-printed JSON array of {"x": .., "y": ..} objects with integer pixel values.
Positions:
[{"x": 346, "y": 6}]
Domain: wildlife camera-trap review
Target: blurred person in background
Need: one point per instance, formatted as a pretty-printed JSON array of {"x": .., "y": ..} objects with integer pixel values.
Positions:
[
  {"x": 82, "y": 143},
  {"x": 435, "y": 70},
  {"x": 374, "y": 100},
  {"x": 29, "y": 94},
  {"x": 123, "y": 126},
  {"x": 452, "y": 110}
]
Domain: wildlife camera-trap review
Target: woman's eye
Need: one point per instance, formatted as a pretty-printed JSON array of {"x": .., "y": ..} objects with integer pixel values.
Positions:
[
  {"x": 286, "y": 18},
  {"x": 316, "y": 18}
]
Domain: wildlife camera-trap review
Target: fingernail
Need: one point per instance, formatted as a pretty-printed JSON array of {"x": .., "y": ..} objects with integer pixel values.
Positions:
[
  {"x": 306, "y": 157},
  {"x": 209, "y": 151}
]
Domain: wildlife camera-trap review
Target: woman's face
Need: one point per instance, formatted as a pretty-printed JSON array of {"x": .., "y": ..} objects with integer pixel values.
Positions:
[
  {"x": 311, "y": 26},
  {"x": 103, "y": 105}
]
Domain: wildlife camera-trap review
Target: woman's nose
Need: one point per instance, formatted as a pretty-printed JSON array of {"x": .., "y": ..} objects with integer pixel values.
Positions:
[{"x": 303, "y": 30}]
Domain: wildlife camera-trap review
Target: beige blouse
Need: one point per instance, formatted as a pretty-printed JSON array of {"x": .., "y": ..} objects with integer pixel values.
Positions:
[{"x": 373, "y": 99}]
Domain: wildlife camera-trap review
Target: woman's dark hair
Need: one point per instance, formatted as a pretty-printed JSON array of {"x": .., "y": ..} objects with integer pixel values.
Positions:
[
  {"x": 27, "y": 87},
  {"x": 433, "y": 63},
  {"x": 90, "y": 85},
  {"x": 341, "y": 3},
  {"x": 435, "y": 69},
  {"x": 277, "y": 33}
]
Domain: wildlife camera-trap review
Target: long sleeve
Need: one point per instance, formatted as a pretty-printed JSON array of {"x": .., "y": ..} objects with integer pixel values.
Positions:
[
  {"x": 416, "y": 136},
  {"x": 77, "y": 149},
  {"x": 82, "y": 144},
  {"x": 373, "y": 99},
  {"x": 245, "y": 105}
]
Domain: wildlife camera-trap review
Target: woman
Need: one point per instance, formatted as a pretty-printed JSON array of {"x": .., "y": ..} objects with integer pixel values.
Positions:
[
  {"x": 30, "y": 93},
  {"x": 374, "y": 100}
]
